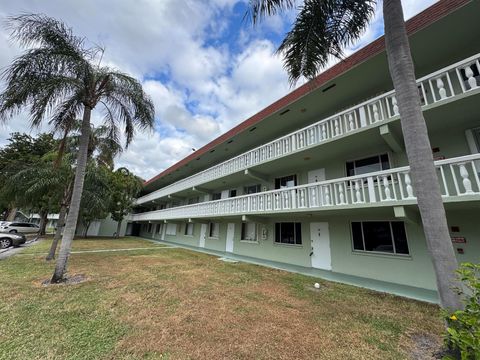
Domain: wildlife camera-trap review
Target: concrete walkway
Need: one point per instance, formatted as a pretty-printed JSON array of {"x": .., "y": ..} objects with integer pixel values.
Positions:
[
  {"x": 166, "y": 247},
  {"x": 372, "y": 284}
]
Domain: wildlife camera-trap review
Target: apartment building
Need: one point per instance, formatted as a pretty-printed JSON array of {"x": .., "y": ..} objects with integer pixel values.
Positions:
[{"x": 319, "y": 180}]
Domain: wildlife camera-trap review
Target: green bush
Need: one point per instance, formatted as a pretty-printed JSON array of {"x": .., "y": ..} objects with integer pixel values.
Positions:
[{"x": 463, "y": 326}]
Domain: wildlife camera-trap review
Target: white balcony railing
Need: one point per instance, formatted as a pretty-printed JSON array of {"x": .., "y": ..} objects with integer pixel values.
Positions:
[
  {"x": 458, "y": 178},
  {"x": 454, "y": 80}
]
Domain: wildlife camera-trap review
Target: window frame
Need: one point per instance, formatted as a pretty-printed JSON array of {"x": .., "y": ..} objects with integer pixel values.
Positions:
[
  {"x": 295, "y": 181},
  {"x": 381, "y": 253},
  {"x": 256, "y": 186},
  {"x": 294, "y": 235},
  {"x": 387, "y": 153},
  {"x": 187, "y": 227},
  {"x": 242, "y": 232},
  {"x": 210, "y": 236}
]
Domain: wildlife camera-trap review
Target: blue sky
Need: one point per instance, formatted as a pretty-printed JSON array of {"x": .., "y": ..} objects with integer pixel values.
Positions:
[{"x": 205, "y": 69}]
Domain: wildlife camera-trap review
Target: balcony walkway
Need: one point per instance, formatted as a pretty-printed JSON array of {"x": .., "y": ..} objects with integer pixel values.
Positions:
[
  {"x": 458, "y": 178},
  {"x": 442, "y": 86},
  {"x": 372, "y": 284}
]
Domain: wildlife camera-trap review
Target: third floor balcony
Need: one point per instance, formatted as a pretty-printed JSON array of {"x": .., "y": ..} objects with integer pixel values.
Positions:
[{"x": 441, "y": 87}]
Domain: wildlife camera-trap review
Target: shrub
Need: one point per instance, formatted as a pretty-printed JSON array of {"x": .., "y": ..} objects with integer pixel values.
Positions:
[{"x": 463, "y": 326}]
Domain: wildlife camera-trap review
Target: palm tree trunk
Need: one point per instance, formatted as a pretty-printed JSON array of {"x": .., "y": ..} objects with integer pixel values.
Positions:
[
  {"x": 74, "y": 208},
  {"x": 61, "y": 222},
  {"x": 58, "y": 232},
  {"x": 419, "y": 153}
]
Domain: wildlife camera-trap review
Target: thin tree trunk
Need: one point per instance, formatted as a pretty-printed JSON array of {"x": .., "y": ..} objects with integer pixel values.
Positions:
[
  {"x": 58, "y": 232},
  {"x": 61, "y": 221},
  {"x": 119, "y": 226},
  {"x": 85, "y": 230},
  {"x": 43, "y": 222},
  {"x": 11, "y": 214},
  {"x": 419, "y": 153},
  {"x": 74, "y": 208}
]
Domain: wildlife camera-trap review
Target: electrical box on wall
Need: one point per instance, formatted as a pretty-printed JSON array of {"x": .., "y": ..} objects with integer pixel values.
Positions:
[{"x": 264, "y": 233}]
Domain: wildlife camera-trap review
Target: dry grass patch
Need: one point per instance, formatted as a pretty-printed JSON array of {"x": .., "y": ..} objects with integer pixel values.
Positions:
[{"x": 178, "y": 304}]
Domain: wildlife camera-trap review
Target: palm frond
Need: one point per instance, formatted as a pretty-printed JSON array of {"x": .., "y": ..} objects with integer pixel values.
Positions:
[
  {"x": 32, "y": 30},
  {"x": 322, "y": 29},
  {"x": 258, "y": 9},
  {"x": 126, "y": 102}
]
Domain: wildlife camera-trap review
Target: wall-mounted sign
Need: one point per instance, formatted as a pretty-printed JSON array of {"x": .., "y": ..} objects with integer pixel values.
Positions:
[{"x": 459, "y": 240}]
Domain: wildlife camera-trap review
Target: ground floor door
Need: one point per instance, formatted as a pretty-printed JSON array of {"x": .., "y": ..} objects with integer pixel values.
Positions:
[
  {"x": 320, "y": 235},
  {"x": 230, "y": 234},
  {"x": 203, "y": 233}
]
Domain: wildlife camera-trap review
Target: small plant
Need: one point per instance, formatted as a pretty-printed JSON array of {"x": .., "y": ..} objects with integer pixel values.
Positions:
[{"x": 463, "y": 326}]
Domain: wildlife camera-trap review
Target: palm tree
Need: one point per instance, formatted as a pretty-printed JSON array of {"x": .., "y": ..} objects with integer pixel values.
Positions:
[
  {"x": 62, "y": 78},
  {"x": 102, "y": 145},
  {"x": 322, "y": 30}
]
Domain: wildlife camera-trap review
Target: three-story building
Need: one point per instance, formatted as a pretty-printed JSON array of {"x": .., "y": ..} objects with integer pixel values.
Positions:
[{"x": 319, "y": 181}]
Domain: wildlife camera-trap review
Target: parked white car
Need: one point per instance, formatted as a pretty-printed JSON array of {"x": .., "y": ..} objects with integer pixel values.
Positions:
[{"x": 19, "y": 227}]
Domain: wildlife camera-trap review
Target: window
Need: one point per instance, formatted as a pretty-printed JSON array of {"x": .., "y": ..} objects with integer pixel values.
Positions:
[
  {"x": 252, "y": 189},
  {"x": 286, "y": 181},
  {"x": 193, "y": 200},
  {"x": 189, "y": 229},
  {"x": 367, "y": 165},
  {"x": 171, "y": 229},
  {"x": 214, "y": 230},
  {"x": 288, "y": 233},
  {"x": 249, "y": 231},
  {"x": 216, "y": 196},
  {"x": 380, "y": 236},
  {"x": 149, "y": 229},
  {"x": 155, "y": 228},
  {"x": 232, "y": 193}
]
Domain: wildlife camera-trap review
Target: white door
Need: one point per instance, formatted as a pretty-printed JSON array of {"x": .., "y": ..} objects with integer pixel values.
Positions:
[
  {"x": 203, "y": 233},
  {"x": 316, "y": 175},
  {"x": 230, "y": 233},
  {"x": 320, "y": 236}
]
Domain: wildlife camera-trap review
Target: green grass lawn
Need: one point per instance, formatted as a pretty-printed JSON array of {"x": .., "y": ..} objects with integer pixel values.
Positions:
[{"x": 164, "y": 303}]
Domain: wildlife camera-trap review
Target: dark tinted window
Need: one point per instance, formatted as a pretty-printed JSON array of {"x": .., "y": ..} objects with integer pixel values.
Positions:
[
  {"x": 357, "y": 236},
  {"x": 288, "y": 233},
  {"x": 380, "y": 236},
  {"x": 286, "y": 181}
]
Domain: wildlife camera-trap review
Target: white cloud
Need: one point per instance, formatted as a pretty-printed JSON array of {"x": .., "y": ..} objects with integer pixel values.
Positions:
[{"x": 201, "y": 81}]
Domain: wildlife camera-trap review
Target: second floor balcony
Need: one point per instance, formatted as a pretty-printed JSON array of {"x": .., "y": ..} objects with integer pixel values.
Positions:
[
  {"x": 458, "y": 178},
  {"x": 447, "y": 84}
]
